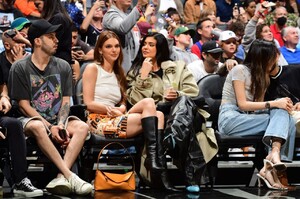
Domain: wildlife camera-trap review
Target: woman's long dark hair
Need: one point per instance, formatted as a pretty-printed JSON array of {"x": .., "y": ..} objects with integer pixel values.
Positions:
[
  {"x": 51, "y": 7},
  {"x": 162, "y": 53},
  {"x": 117, "y": 67},
  {"x": 261, "y": 57}
]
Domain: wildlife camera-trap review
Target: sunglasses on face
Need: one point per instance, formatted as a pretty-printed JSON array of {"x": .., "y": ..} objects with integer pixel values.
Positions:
[
  {"x": 230, "y": 41},
  {"x": 215, "y": 55},
  {"x": 10, "y": 33}
]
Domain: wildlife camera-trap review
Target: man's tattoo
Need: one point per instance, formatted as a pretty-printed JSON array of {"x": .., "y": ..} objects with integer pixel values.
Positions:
[{"x": 63, "y": 113}]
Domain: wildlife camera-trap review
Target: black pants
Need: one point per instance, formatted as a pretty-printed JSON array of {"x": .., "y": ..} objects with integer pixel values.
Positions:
[{"x": 17, "y": 147}]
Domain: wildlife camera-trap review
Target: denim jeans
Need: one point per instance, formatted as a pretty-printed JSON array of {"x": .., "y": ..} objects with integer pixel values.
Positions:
[{"x": 273, "y": 123}]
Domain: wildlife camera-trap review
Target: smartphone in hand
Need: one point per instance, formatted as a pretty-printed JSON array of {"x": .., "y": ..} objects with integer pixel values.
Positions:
[
  {"x": 63, "y": 134},
  {"x": 76, "y": 48}
]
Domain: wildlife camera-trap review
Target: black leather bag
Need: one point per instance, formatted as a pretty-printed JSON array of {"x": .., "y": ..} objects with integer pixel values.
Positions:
[{"x": 182, "y": 125}]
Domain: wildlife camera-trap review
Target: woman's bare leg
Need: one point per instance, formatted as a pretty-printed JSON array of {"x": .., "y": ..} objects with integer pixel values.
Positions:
[{"x": 144, "y": 108}]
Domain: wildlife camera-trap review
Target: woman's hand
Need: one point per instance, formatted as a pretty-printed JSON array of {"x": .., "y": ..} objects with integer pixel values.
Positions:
[
  {"x": 297, "y": 106},
  {"x": 284, "y": 103},
  {"x": 113, "y": 111},
  {"x": 170, "y": 94},
  {"x": 146, "y": 68},
  {"x": 260, "y": 10},
  {"x": 99, "y": 4}
]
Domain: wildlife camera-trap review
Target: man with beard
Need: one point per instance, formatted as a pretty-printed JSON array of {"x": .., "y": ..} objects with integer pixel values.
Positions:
[
  {"x": 14, "y": 50},
  {"x": 42, "y": 86},
  {"x": 211, "y": 54},
  {"x": 280, "y": 19}
]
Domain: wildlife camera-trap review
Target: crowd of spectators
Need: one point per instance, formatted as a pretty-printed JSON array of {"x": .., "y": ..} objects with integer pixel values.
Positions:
[{"x": 173, "y": 42}]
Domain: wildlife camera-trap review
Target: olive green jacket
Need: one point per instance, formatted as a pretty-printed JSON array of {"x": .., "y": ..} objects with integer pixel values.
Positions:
[{"x": 174, "y": 73}]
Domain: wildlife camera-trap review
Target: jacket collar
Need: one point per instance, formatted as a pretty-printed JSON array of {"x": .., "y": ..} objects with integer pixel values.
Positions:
[{"x": 168, "y": 67}]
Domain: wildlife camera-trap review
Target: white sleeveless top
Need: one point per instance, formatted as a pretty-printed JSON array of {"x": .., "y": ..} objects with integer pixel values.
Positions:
[{"x": 107, "y": 90}]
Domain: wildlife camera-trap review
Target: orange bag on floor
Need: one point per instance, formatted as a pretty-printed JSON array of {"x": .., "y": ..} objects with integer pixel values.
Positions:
[{"x": 114, "y": 181}]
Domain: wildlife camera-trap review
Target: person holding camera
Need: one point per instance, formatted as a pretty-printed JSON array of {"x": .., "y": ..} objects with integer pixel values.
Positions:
[
  {"x": 14, "y": 49},
  {"x": 42, "y": 85},
  {"x": 81, "y": 53},
  {"x": 91, "y": 26},
  {"x": 117, "y": 20}
]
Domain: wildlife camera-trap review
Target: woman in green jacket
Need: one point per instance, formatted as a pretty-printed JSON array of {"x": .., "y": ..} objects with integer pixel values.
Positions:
[
  {"x": 153, "y": 72},
  {"x": 154, "y": 75}
]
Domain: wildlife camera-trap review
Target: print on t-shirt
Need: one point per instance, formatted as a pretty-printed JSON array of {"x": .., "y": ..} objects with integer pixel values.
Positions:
[{"x": 46, "y": 95}]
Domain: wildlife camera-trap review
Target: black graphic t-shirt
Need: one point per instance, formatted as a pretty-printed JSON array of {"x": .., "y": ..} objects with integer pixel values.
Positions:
[{"x": 45, "y": 89}]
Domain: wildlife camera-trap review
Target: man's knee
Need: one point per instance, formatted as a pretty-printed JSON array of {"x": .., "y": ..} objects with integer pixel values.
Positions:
[
  {"x": 35, "y": 128},
  {"x": 78, "y": 126}
]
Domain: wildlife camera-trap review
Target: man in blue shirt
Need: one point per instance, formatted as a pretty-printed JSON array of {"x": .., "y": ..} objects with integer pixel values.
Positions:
[{"x": 290, "y": 51}]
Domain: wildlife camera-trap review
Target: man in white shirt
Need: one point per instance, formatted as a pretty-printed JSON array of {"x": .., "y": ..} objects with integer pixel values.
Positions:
[{"x": 211, "y": 54}]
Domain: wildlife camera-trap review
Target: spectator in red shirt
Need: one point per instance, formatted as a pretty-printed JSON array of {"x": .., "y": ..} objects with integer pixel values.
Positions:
[
  {"x": 280, "y": 19},
  {"x": 204, "y": 29}
]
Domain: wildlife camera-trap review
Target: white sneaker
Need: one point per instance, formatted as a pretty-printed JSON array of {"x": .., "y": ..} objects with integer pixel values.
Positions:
[
  {"x": 59, "y": 186},
  {"x": 79, "y": 186},
  {"x": 25, "y": 188}
]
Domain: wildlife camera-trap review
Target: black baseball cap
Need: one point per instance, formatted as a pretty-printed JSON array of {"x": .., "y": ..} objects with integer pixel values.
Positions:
[
  {"x": 211, "y": 47},
  {"x": 41, "y": 27}
]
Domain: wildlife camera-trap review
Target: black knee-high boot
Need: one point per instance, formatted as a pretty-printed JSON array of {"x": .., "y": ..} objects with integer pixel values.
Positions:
[
  {"x": 162, "y": 162},
  {"x": 149, "y": 125},
  {"x": 155, "y": 161}
]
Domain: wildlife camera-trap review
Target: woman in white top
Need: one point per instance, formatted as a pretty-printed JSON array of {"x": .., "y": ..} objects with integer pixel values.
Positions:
[
  {"x": 104, "y": 87},
  {"x": 244, "y": 112}
]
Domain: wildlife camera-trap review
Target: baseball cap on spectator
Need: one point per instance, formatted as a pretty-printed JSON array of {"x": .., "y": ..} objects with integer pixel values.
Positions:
[
  {"x": 184, "y": 30},
  {"x": 227, "y": 34},
  {"x": 211, "y": 47},
  {"x": 41, "y": 27},
  {"x": 20, "y": 23},
  {"x": 144, "y": 27}
]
